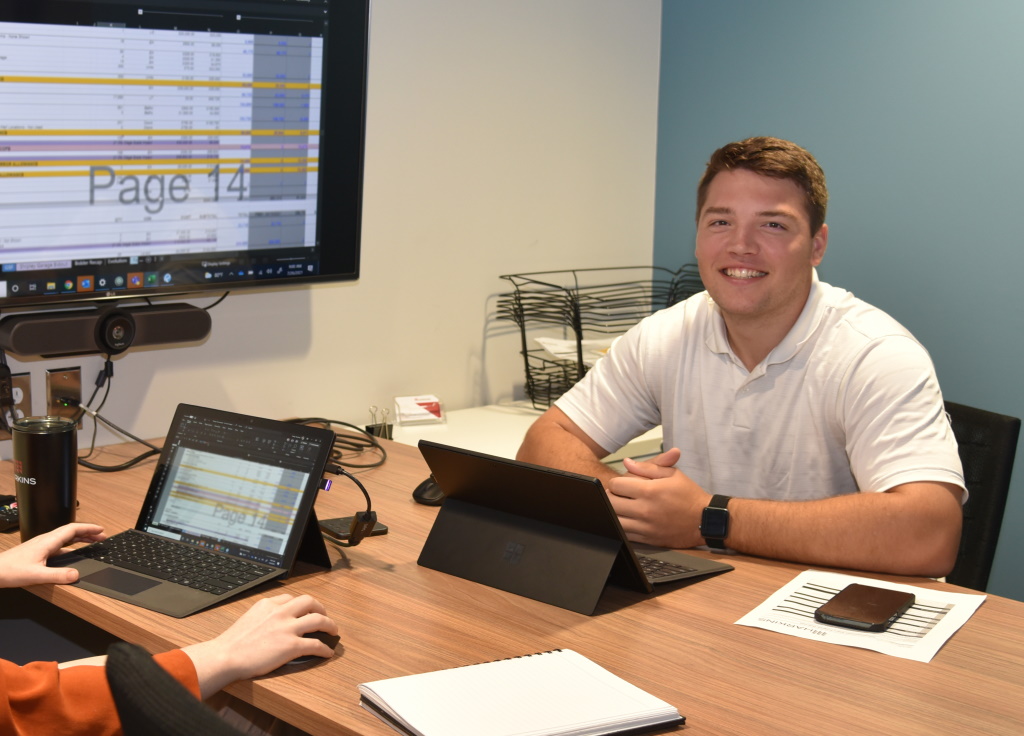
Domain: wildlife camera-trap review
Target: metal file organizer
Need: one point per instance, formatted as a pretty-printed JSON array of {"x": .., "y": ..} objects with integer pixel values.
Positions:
[{"x": 581, "y": 305}]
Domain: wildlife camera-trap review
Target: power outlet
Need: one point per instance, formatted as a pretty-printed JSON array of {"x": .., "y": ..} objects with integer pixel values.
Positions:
[
  {"x": 63, "y": 383},
  {"x": 21, "y": 384}
]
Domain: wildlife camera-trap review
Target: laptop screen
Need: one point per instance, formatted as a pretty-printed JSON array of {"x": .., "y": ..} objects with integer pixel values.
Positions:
[{"x": 235, "y": 483}]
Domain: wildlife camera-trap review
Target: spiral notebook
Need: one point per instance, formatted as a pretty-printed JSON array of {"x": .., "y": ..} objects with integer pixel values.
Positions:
[{"x": 545, "y": 694}]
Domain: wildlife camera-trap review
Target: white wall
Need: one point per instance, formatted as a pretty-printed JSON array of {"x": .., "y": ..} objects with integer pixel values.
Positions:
[{"x": 502, "y": 136}]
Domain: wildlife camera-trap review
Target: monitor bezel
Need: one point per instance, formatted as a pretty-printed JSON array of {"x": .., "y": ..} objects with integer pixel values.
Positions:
[{"x": 342, "y": 154}]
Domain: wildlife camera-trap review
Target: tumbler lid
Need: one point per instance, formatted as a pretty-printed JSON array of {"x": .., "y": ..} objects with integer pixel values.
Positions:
[{"x": 44, "y": 425}]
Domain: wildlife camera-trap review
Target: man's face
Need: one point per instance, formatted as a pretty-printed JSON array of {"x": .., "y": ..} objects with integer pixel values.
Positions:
[{"x": 755, "y": 249}]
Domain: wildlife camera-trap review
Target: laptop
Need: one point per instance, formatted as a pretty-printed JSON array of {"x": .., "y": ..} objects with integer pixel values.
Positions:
[
  {"x": 546, "y": 534},
  {"x": 230, "y": 506}
]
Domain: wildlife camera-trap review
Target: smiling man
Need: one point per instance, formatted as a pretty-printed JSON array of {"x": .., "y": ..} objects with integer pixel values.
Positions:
[{"x": 804, "y": 424}]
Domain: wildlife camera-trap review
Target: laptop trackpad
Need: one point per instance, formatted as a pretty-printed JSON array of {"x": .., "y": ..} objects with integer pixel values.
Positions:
[{"x": 120, "y": 581}]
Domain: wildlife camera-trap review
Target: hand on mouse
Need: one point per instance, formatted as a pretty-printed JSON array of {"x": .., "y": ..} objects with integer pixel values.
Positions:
[
  {"x": 265, "y": 637},
  {"x": 329, "y": 640}
]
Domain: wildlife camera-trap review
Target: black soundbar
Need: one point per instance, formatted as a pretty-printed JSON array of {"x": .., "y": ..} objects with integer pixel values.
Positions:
[{"x": 108, "y": 330}]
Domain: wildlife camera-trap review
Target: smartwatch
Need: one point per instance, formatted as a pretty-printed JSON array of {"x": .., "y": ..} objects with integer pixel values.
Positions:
[{"x": 714, "y": 522}]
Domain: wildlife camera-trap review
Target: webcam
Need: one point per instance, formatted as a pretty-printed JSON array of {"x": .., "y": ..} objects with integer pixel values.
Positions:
[
  {"x": 115, "y": 331},
  {"x": 95, "y": 330}
]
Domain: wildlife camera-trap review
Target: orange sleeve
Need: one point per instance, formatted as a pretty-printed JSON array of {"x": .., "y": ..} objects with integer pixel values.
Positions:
[{"x": 39, "y": 698}]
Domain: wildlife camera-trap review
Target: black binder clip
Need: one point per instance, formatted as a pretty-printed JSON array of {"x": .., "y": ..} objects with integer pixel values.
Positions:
[{"x": 380, "y": 428}]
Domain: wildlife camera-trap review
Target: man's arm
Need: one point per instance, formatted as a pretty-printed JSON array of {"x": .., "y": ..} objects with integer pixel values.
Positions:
[
  {"x": 911, "y": 529},
  {"x": 556, "y": 441}
]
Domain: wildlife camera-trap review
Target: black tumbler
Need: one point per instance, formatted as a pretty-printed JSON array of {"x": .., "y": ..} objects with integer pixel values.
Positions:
[{"x": 45, "y": 453}]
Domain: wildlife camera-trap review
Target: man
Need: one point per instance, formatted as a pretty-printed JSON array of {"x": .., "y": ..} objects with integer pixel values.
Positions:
[
  {"x": 805, "y": 425},
  {"x": 43, "y": 698}
]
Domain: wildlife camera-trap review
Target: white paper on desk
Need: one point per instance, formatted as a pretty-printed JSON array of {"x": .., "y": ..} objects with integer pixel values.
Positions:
[{"x": 918, "y": 634}]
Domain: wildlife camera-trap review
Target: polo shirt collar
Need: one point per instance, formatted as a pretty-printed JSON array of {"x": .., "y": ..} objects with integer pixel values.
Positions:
[{"x": 717, "y": 339}]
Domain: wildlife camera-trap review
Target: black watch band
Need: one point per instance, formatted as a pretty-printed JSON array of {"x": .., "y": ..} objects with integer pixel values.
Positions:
[{"x": 714, "y": 522}]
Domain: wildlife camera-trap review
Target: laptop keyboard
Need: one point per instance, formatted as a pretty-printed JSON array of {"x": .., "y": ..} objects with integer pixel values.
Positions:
[
  {"x": 184, "y": 564},
  {"x": 656, "y": 569}
]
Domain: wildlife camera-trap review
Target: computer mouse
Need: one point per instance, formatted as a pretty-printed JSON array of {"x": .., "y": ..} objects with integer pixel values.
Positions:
[
  {"x": 428, "y": 493},
  {"x": 328, "y": 639}
]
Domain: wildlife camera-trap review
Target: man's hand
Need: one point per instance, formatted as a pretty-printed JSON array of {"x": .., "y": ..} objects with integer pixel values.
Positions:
[
  {"x": 26, "y": 563},
  {"x": 265, "y": 637},
  {"x": 657, "y": 503}
]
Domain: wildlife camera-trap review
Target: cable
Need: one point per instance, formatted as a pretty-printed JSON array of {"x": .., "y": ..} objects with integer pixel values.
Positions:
[
  {"x": 223, "y": 296},
  {"x": 358, "y": 442},
  {"x": 208, "y": 307},
  {"x": 104, "y": 379},
  {"x": 338, "y": 470},
  {"x": 363, "y": 521},
  {"x": 6, "y": 392},
  {"x": 105, "y": 374},
  {"x": 123, "y": 466},
  {"x": 114, "y": 427},
  {"x": 361, "y": 442}
]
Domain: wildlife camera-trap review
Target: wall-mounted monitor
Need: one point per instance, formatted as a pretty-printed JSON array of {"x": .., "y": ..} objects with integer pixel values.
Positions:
[{"x": 167, "y": 147}]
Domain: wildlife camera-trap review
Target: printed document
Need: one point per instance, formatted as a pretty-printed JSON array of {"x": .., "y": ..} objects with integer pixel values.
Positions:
[{"x": 918, "y": 634}]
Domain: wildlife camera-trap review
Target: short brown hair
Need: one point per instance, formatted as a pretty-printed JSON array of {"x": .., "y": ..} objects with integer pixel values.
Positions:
[{"x": 776, "y": 158}]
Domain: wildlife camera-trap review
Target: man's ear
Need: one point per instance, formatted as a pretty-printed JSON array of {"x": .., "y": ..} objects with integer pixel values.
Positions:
[{"x": 819, "y": 244}]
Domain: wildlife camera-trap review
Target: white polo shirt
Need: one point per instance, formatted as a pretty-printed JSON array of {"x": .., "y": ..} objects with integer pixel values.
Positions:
[{"x": 847, "y": 402}]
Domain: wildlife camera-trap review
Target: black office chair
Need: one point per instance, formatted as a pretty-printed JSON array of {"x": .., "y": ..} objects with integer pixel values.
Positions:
[
  {"x": 152, "y": 703},
  {"x": 988, "y": 445}
]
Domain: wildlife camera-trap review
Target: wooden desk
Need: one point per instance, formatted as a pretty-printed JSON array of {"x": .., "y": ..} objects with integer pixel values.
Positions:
[{"x": 682, "y": 645}]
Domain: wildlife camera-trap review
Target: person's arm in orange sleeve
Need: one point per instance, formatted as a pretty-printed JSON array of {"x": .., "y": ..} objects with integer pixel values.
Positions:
[
  {"x": 45, "y": 698},
  {"x": 40, "y": 698}
]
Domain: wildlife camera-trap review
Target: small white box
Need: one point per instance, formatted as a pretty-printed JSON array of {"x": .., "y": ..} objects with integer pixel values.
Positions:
[{"x": 424, "y": 409}]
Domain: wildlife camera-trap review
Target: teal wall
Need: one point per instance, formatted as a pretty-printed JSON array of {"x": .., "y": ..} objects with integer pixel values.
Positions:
[{"x": 915, "y": 110}]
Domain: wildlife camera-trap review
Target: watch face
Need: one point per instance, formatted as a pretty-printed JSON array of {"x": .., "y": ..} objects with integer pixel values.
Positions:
[{"x": 714, "y": 523}]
